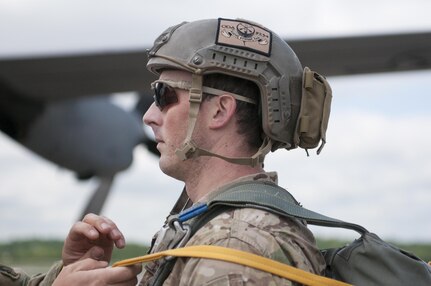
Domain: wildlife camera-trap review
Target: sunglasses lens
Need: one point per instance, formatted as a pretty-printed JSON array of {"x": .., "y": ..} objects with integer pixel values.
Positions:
[{"x": 164, "y": 95}]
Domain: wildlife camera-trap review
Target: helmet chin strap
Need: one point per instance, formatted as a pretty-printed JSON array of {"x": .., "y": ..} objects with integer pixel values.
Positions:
[{"x": 190, "y": 150}]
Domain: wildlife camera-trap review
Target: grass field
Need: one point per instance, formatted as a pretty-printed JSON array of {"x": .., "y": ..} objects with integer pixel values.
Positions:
[{"x": 36, "y": 256}]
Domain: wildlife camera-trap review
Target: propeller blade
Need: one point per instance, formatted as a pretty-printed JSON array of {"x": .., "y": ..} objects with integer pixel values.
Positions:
[{"x": 98, "y": 199}]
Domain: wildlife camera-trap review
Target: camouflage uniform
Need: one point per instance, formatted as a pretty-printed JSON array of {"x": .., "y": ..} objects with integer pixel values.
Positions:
[
  {"x": 17, "y": 277},
  {"x": 251, "y": 230}
]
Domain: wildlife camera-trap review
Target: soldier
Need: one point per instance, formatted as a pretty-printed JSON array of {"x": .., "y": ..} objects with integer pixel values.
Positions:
[{"x": 229, "y": 92}]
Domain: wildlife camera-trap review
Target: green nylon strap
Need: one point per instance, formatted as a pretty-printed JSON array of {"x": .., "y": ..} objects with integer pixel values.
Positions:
[{"x": 273, "y": 198}]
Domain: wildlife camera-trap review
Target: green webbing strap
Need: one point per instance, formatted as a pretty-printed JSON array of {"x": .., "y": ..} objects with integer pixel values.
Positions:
[{"x": 273, "y": 198}]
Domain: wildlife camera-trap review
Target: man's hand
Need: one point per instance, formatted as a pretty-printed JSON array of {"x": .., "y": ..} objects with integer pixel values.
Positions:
[
  {"x": 92, "y": 272},
  {"x": 93, "y": 237}
]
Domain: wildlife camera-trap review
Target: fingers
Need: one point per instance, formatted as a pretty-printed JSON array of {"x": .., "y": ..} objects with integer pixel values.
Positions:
[
  {"x": 93, "y": 225},
  {"x": 93, "y": 237},
  {"x": 105, "y": 226},
  {"x": 86, "y": 264},
  {"x": 82, "y": 272},
  {"x": 131, "y": 282},
  {"x": 93, "y": 272},
  {"x": 119, "y": 275},
  {"x": 82, "y": 230}
]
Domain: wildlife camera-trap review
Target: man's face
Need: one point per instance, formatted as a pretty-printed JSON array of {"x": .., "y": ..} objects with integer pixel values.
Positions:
[{"x": 170, "y": 125}]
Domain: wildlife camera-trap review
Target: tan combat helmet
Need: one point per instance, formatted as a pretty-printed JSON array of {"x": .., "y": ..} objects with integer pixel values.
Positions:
[{"x": 294, "y": 102}]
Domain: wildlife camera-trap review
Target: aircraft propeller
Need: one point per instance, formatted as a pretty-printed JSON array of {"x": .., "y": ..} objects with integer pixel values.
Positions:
[{"x": 89, "y": 135}]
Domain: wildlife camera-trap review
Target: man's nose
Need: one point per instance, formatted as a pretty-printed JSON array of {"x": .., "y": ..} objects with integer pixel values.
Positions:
[{"x": 152, "y": 115}]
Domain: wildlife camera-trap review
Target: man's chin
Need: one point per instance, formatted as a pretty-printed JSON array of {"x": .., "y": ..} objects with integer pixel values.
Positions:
[{"x": 169, "y": 166}]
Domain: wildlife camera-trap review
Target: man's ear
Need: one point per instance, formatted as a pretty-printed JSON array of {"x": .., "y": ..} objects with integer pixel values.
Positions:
[{"x": 222, "y": 111}]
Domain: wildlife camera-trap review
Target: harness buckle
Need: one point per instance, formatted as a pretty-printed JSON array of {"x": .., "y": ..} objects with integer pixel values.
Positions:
[{"x": 182, "y": 235}]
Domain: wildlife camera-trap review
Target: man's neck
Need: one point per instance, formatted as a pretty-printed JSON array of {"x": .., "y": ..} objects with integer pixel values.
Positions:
[{"x": 214, "y": 173}]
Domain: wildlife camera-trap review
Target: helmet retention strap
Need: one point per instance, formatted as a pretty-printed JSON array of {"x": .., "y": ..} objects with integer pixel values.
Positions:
[
  {"x": 190, "y": 150},
  {"x": 252, "y": 161}
]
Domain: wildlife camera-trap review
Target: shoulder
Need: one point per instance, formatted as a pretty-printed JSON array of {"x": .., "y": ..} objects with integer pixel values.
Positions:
[
  {"x": 255, "y": 231},
  {"x": 17, "y": 277},
  {"x": 10, "y": 276},
  {"x": 262, "y": 230}
]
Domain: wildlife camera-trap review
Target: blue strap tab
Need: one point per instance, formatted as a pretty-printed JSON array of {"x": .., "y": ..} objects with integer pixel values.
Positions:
[{"x": 192, "y": 212}]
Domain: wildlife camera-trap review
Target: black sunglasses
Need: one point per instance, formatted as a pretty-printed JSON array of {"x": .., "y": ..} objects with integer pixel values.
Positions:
[
  {"x": 164, "y": 95},
  {"x": 164, "y": 92}
]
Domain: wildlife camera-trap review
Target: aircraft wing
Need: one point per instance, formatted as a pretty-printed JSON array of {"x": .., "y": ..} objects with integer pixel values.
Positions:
[
  {"x": 45, "y": 102},
  {"x": 366, "y": 54},
  {"x": 67, "y": 76}
]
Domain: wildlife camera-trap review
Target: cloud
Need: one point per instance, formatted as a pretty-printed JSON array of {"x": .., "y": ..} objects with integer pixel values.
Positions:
[
  {"x": 383, "y": 186},
  {"x": 375, "y": 169},
  {"x": 65, "y": 26}
]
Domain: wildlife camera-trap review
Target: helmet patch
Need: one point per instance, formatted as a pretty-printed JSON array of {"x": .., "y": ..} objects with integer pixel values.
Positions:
[{"x": 244, "y": 35}]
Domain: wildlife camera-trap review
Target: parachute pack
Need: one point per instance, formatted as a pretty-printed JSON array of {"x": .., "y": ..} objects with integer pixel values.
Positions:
[{"x": 368, "y": 260}]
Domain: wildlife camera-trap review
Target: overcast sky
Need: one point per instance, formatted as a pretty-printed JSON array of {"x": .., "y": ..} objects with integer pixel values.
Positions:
[{"x": 375, "y": 169}]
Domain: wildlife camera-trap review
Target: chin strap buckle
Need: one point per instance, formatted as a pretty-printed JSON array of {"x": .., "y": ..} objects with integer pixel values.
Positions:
[{"x": 186, "y": 151}]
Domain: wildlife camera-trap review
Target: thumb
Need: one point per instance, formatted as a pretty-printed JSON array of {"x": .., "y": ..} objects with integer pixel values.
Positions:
[{"x": 95, "y": 253}]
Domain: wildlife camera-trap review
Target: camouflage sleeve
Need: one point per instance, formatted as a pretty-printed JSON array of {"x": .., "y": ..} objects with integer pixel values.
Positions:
[
  {"x": 218, "y": 273},
  {"x": 17, "y": 277}
]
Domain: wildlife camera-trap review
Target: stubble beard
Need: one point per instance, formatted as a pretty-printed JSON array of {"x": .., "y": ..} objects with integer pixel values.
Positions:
[{"x": 169, "y": 163}]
